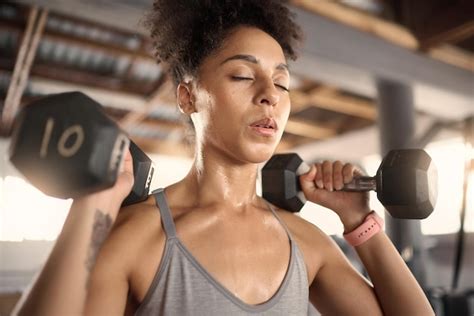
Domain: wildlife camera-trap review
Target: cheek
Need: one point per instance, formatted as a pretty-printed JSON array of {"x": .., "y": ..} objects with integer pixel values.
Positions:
[
  {"x": 229, "y": 109},
  {"x": 285, "y": 109},
  {"x": 236, "y": 97}
]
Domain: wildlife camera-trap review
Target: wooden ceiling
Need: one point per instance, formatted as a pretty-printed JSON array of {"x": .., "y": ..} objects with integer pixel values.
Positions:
[{"x": 90, "y": 56}]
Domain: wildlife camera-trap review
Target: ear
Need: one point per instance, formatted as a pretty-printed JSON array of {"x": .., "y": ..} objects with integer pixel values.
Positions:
[{"x": 185, "y": 98}]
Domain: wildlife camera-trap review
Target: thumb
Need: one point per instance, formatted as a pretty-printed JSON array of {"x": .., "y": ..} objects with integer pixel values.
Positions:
[
  {"x": 307, "y": 180},
  {"x": 127, "y": 162}
]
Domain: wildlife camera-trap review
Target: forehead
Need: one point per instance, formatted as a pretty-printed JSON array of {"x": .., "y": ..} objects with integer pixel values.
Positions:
[{"x": 251, "y": 41}]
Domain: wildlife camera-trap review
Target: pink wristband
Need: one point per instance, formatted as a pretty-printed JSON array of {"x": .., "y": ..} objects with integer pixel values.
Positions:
[{"x": 371, "y": 225}]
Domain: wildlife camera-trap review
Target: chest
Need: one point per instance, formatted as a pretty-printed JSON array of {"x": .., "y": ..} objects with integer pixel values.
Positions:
[{"x": 248, "y": 262}]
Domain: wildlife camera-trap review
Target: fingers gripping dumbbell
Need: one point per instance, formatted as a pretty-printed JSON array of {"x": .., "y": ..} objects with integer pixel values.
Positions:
[
  {"x": 405, "y": 182},
  {"x": 66, "y": 146}
]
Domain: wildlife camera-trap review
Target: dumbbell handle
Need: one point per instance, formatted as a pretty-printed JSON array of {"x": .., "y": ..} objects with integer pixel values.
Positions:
[
  {"x": 358, "y": 184},
  {"x": 143, "y": 169}
]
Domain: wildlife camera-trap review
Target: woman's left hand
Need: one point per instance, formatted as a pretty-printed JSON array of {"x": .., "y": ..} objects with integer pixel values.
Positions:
[{"x": 323, "y": 185}]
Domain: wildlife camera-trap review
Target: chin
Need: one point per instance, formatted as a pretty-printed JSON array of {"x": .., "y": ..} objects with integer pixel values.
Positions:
[{"x": 258, "y": 154}]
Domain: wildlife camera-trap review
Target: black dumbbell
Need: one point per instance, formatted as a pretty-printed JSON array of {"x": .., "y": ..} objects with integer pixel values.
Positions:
[
  {"x": 67, "y": 147},
  {"x": 405, "y": 182},
  {"x": 143, "y": 171}
]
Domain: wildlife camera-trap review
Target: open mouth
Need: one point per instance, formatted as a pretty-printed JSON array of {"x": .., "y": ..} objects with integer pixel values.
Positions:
[
  {"x": 264, "y": 127},
  {"x": 266, "y": 123}
]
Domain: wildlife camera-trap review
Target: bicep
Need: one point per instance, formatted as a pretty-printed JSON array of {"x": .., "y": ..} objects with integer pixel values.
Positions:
[{"x": 338, "y": 289}]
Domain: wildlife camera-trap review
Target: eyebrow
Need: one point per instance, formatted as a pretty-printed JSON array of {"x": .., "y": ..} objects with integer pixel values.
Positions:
[{"x": 254, "y": 60}]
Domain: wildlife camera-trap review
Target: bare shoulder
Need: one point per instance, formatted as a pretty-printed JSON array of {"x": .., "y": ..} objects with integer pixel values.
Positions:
[
  {"x": 136, "y": 224},
  {"x": 305, "y": 231},
  {"x": 138, "y": 218},
  {"x": 135, "y": 229},
  {"x": 312, "y": 241}
]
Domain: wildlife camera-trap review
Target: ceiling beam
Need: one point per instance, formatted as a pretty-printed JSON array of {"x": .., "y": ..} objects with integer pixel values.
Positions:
[
  {"x": 336, "y": 54},
  {"x": 308, "y": 129},
  {"x": 454, "y": 56},
  {"x": 26, "y": 54},
  {"x": 353, "y": 60},
  {"x": 117, "y": 14},
  {"x": 72, "y": 39},
  {"x": 299, "y": 98},
  {"x": 361, "y": 143},
  {"x": 453, "y": 34},
  {"x": 438, "y": 22},
  {"x": 334, "y": 102},
  {"x": 360, "y": 20},
  {"x": 80, "y": 78},
  {"x": 155, "y": 100},
  {"x": 118, "y": 99}
]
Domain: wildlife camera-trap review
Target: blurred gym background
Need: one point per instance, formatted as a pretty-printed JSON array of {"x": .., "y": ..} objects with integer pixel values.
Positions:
[{"x": 372, "y": 75}]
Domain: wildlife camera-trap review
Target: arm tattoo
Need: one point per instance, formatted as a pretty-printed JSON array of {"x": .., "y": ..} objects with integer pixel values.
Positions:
[{"x": 100, "y": 230}]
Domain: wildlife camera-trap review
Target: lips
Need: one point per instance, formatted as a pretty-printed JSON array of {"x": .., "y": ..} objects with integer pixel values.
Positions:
[
  {"x": 265, "y": 123},
  {"x": 266, "y": 127}
]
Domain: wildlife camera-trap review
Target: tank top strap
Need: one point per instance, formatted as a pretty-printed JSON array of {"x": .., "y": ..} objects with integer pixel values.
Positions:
[
  {"x": 166, "y": 218},
  {"x": 272, "y": 209}
]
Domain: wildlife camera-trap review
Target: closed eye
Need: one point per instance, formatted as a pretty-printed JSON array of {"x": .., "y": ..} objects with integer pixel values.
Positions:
[
  {"x": 282, "y": 87},
  {"x": 237, "y": 78}
]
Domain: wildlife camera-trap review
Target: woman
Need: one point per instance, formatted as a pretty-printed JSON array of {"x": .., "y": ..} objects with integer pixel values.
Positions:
[{"x": 208, "y": 245}]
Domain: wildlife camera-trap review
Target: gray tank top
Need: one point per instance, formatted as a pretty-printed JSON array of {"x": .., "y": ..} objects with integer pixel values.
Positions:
[{"x": 181, "y": 286}]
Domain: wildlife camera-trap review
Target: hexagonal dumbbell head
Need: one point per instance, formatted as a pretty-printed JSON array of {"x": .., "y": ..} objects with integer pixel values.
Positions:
[
  {"x": 66, "y": 146},
  {"x": 280, "y": 182},
  {"x": 407, "y": 183}
]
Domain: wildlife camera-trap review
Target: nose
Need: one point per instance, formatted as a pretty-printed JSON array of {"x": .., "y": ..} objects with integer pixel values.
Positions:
[{"x": 267, "y": 94}]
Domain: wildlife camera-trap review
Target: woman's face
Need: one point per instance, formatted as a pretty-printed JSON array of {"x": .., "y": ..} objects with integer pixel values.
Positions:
[{"x": 241, "y": 98}]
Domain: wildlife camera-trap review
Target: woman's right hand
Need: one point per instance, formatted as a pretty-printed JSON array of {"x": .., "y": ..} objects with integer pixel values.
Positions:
[{"x": 110, "y": 199}]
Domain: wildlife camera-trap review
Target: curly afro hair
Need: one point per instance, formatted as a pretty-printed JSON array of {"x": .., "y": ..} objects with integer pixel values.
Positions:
[{"x": 185, "y": 32}]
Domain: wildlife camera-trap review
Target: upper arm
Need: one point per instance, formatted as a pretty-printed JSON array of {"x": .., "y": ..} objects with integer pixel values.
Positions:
[
  {"x": 338, "y": 289},
  {"x": 108, "y": 284}
]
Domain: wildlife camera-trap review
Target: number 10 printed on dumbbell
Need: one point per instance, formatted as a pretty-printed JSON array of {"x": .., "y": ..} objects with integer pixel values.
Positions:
[{"x": 67, "y": 147}]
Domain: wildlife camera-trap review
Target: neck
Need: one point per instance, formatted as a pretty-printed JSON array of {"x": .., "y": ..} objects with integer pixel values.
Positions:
[{"x": 216, "y": 179}]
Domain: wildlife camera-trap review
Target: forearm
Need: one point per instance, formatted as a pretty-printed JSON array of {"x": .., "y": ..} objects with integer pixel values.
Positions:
[
  {"x": 61, "y": 287},
  {"x": 397, "y": 290}
]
